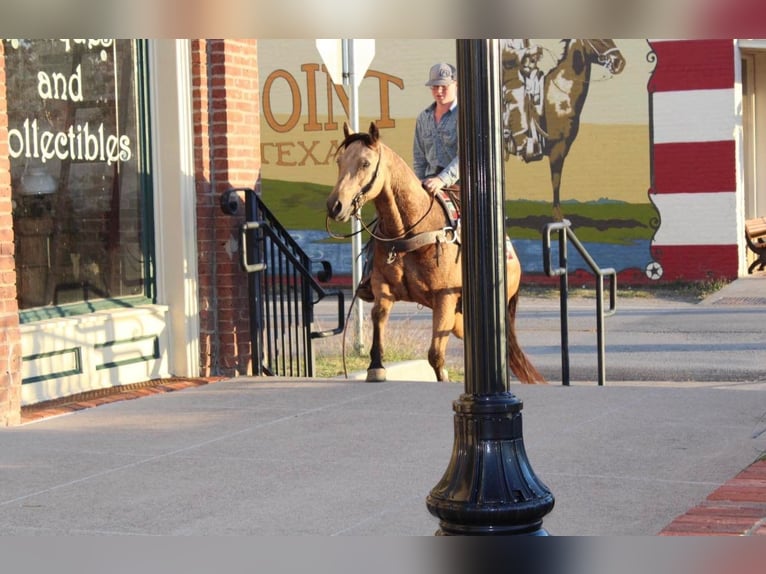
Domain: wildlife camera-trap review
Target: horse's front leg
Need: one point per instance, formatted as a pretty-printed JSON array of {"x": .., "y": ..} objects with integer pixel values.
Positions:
[
  {"x": 381, "y": 310},
  {"x": 556, "y": 157},
  {"x": 444, "y": 314}
]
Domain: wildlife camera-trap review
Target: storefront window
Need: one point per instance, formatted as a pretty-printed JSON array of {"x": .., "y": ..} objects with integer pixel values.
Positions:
[{"x": 80, "y": 174}]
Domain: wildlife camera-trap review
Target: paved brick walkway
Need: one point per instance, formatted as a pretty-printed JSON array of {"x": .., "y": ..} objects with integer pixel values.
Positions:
[
  {"x": 98, "y": 397},
  {"x": 737, "y": 508}
]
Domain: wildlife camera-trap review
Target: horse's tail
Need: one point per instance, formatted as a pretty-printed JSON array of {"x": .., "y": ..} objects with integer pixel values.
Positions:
[{"x": 520, "y": 364}]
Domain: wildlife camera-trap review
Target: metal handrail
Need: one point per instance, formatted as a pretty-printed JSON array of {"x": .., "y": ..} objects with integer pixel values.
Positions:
[
  {"x": 282, "y": 290},
  {"x": 566, "y": 234}
]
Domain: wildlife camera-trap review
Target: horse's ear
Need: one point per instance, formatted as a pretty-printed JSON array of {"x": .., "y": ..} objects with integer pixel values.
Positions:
[
  {"x": 346, "y": 130},
  {"x": 374, "y": 133}
]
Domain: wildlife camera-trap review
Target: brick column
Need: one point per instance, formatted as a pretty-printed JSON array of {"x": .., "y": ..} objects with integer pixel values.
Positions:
[
  {"x": 694, "y": 160},
  {"x": 10, "y": 343},
  {"x": 227, "y": 154}
]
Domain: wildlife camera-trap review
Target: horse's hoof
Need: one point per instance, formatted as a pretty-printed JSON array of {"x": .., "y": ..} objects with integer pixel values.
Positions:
[{"x": 376, "y": 375}]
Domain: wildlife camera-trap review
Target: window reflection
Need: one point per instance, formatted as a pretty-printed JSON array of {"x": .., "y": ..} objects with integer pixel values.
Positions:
[{"x": 77, "y": 178}]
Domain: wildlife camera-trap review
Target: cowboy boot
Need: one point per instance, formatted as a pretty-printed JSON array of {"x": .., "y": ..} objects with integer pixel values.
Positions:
[{"x": 364, "y": 289}]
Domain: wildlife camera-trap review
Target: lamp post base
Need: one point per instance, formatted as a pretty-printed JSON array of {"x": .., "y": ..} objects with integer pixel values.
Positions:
[{"x": 489, "y": 487}]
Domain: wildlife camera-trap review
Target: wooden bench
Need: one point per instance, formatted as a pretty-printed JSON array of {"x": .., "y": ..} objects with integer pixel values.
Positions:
[{"x": 755, "y": 235}]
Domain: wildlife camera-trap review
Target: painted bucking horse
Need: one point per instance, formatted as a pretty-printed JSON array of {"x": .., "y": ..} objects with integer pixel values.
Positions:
[
  {"x": 542, "y": 109},
  {"x": 417, "y": 250}
]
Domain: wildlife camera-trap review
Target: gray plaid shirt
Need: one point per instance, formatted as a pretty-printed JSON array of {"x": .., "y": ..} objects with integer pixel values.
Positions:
[{"x": 435, "y": 146}]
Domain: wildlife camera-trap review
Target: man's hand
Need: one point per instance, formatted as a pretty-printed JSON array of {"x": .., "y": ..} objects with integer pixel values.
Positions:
[{"x": 432, "y": 184}]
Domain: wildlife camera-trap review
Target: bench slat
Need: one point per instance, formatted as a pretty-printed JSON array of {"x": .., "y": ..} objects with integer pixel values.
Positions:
[{"x": 756, "y": 227}]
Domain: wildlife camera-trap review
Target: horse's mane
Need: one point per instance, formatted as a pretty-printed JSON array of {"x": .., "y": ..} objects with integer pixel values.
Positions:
[
  {"x": 561, "y": 51},
  {"x": 358, "y": 136},
  {"x": 554, "y": 52}
]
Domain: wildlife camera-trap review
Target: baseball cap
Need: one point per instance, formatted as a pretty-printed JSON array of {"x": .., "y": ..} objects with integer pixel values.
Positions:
[{"x": 442, "y": 74}]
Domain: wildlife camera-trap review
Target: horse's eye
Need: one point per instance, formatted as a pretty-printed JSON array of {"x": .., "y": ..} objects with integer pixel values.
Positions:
[{"x": 365, "y": 164}]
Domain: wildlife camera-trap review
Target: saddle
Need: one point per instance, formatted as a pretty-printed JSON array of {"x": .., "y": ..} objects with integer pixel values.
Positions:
[{"x": 449, "y": 200}]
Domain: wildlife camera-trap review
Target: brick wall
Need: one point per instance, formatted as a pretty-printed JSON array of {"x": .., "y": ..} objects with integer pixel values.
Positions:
[
  {"x": 10, "y": 346},
  {"x": 227, "y": 154}
]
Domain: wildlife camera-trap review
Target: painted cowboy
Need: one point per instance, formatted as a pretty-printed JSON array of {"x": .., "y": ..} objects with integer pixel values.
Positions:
[{"x": 524, "y": 98}]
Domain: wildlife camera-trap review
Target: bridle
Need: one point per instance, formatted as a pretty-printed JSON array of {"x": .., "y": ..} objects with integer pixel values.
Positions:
[
  {"x": 603, "y": 57},
  {"x": 370, "y": 227},
  {"x": 365, "y": 189}
]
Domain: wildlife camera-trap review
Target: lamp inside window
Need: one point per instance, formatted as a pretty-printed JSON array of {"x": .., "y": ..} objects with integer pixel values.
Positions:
[{"x": 37, "y": 181}]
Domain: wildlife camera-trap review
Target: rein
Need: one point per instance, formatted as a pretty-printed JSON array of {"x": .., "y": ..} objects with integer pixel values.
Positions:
[
  {"x": 368, "y": 186},
  {"x": 406, "y": 232},
  {"x": 345, "y": 235}
]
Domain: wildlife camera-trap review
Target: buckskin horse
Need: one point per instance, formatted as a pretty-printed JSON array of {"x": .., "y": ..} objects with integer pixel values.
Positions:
[
  {"x": 565, "y": 87},
  {"x": 417, "y": 250}
]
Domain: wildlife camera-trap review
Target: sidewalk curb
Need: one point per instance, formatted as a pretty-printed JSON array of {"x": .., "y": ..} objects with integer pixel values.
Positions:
[{"x": 414, "y": 370}]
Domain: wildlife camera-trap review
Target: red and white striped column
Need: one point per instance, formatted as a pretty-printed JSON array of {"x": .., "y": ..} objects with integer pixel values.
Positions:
[{"x": 692, "y": 112}]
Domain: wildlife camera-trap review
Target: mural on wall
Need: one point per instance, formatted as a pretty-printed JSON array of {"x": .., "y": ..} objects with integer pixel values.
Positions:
[
  {"x": 542, "y": 109},
  {"x": 576, "y": 128},
  {"x": 583, "y": 101}
]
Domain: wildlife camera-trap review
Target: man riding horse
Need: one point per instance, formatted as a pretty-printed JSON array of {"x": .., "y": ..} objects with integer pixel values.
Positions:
[{"x": 434, "y": 148}]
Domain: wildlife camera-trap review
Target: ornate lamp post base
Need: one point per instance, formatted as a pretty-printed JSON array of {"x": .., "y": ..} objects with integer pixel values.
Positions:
[{"x": 489, "y": 487}]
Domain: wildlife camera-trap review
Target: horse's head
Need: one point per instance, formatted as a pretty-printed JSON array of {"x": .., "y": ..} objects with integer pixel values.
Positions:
[
  {"x": 608, "y": 55},
  {"x": 358, "y": 159}
]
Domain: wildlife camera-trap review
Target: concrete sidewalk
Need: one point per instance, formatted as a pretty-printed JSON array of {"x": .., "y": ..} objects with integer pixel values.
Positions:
[{"x": 274, "y": 456}]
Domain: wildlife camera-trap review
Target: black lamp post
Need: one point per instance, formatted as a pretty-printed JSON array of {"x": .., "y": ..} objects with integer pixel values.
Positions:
[{"x": 489, "y": 486}]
